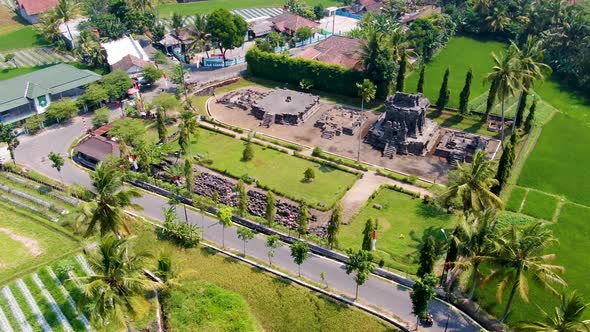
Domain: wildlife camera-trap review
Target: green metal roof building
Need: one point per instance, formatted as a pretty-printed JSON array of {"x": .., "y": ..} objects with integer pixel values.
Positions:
[{"x": 26, "y": 95}]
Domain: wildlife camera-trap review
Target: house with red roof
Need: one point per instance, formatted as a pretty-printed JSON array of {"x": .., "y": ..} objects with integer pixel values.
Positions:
[
  {"x": 30, "y": 10},
  {"x": 336, "y": 50},
  {"x": 289, "y": 23}
]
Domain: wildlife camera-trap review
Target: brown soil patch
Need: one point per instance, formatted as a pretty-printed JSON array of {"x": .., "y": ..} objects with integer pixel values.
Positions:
[
  {"x": 9, "y": 22},
  {"x": 31, "y": 244}
]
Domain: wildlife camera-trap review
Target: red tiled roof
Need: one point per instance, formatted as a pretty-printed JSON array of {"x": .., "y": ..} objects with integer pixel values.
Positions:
[
  {"x": 34, "y": 7},
  {"x": 292, "y": 22},
  {"x": 129, "y": 61},
  {"x": 339, "y": 50},
  {"x": 98, "y": 147}
]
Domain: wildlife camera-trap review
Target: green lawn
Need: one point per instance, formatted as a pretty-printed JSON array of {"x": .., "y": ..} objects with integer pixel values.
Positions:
[
  {"x": 279, "y": 171},
  {"x": 276, "y": 304},
  {"x": 202, "y": 306},
  {"x": 7, "y": 73},
  {"x": 460, "y": 54},
  {"x": 166, "y": 9},
  {"x": 23, "y": 38},
  {"x": 27, "y": 241},
  {"x": 540, "y": 205},
  {"x": 404, "y": 223},
  {"x": 515, "y": 199},
  {"x": 471, "y": 123}
]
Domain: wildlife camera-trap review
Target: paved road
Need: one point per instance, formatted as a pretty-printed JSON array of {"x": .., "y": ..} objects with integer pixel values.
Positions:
[{"x": 389, "y": 297}]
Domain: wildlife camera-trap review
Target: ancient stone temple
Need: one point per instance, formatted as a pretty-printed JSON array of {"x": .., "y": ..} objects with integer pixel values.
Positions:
[
  {"x": 285, "y": 107},
  {"x": 403, "y": 128}
]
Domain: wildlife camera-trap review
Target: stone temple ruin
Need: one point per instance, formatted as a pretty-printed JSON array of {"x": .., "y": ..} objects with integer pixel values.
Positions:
[
  {"x": 243, "y": 99},
  {"x": 285, "y": 107},
  {"x": 338, "y": 120},
  {"x": 404, "y": 129}
]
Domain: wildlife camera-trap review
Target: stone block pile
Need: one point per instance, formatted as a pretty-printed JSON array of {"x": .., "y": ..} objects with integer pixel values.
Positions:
[{"x": 209, "y": 185}]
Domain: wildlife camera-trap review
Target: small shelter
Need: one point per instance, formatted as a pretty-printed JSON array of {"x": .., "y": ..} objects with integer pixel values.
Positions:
[{"x": 94, "y": 149}]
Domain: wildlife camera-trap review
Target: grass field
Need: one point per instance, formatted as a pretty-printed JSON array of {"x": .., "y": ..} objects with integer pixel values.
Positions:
[
  {"x": 540, "y": 205},
  {"x": 26, "y": 241},
  {"x": 202, "y": 306},
  {"x": 279, "y": 171},
  {"x": 404, "y": 223},
  {"x": 22, "y": 38},
  {"x": 515, "y": 199},
  {"x": 9, "y": 21},
  {"x": 471, "y": 123},
  {"x": 166, "y": 9},
  {"x": 459, "y": 55},
  {"x": 277, "y": 305}
]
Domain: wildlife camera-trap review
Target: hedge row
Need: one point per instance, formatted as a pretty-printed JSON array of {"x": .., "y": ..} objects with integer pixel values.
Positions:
[
  {"x": 282, "y": 68},
  {"x": 401, "y": 190},
  {"x": 317, "y": 152},
  {"x": 410, "y": 179},
  {"x": 269, "y": 146},
  {"x": 327, "y": 163},
  {"x": 221, "y": 124},
  {"x": 279, "y": 142},
  {"x": 219, "y": 131}
]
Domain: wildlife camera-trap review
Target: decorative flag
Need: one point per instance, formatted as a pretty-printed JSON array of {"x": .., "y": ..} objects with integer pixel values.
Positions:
[
  {"x": 132, "y": 159},
  {"x": 374, "y": 242}
]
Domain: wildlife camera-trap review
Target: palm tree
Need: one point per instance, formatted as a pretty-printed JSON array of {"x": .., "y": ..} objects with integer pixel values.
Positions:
[
  {"x": 530, "y": 59},
  {"x": 567, "y": 316},
  {"x": 188, "y": 127},
  {"x": 521, "y": 253},
  {"x": 115, "y": 294},
  {"x": 482, "y": 7},
  {"x": 107, "y": 208},
  {"x": 476, "y": 244},
  {"x": 200, "y": 34},
  {"x": 65, "y": 11},
  {"x": 177, "y": 22},
  {"x": 48, "y": 27},
  {"x": 497, "y": 20},
  {"x": 90, "y": 50},
  {"x": 471, "y": 183},
  {"x": 508, "y": 76}
]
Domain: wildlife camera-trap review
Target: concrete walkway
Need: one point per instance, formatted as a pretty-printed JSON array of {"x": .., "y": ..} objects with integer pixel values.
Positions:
[{"x": 389, "y": 297}]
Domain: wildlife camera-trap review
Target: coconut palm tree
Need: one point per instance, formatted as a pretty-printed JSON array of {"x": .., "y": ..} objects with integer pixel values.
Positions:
[
  {"x": 497, "y": 19},
  {"x": 187, "y": 129},
  {"x": 482, "y": 7},
  {"x": 65, "y": 11},
  {"x": 115, "y": 294},
  {"x": 48, "y": 27},
  {"x": 530, "y": 58},
  {"x": 520, "y": 254},
  {"x": 566, "y": 317},
  {"x": 476, "y": 245},
  {"x": 508, "y": 76},
  {"x": 90, "y": 50},
  {"x": 200, "y": 34},
  {"x": 177, "y": 22},
  {"x": 471, "y": 183},
  {"x": 111, "y": 198}
]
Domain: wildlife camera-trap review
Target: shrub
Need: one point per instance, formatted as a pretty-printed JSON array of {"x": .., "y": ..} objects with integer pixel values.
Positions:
[
  {"x": 101, "y": 117},
  {"x": 181, "y": 233},
  {"x": 33, "y": 124}
]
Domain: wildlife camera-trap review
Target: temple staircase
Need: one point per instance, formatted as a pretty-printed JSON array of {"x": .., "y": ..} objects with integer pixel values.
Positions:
[{"x": 389, "y": 151}]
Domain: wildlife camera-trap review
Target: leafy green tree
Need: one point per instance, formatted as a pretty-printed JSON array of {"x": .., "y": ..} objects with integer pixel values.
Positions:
[
  {"x": 106, "y": 210},
  {"x": 62, "y": 109},
  {"x": 115, "y": 293},
  {"x": 522, "y": 254},
  {"x": 225, "y": 215},
  {"x": 270, "y": 207},
  {"x": 188, "y": 131},
  {"x": 151, "y": 74},
  {"x": 368, "y": 235},
  {"x": 303, "y": 219},
  {"x": 10, "y": 57},
  {"x": 464, "y": 96},
  {"x": 117, "y": 83},
  {"x": 275, "y": 39},
  {"x": 367, "y": 92},
  {"x": 242, "y": 199},
  {"x": 272, "y": 243},
  {"x": 90, "y": 50},
  {"x": 226, "y": 29},
  {"x": 248, "y": 153},
  {"x": 178, "y": 77},
  {"x": 401, "y": 74},
  {"x": 319, "y": 11},
  {"x": 505, "y": 166},
  {"x": 309, "y": 175},
  {"x": 361, "y": 263},
  {"x": 420, "y": 87},
  {"x": 166, "y": 102},
  {"x": 422, "y": 293},
  {"x": 379, "y": 63},
  {"x": 299, "y": 252},
  {"x": 101, "y": 117},
  {"x": 566, "y": 317},
  {"x": 95, "y": 94},
  {"x": 303, "y": 33},
  {"x": 245, "y": 234},
  {"x": 160, "y": 58},
  {"x": 57, "y": 161},
  {"x": 471, "y": 185},
  {"x": 132, "y": 131},
  {"x": 161, "y": 125},
  {"x": 444, "y": 93},
  {"x": 530, "y": 119},
  {"x": 188, "y": 173},
  {"x": 8, "y": 136},
  {"x": 334, "y": 226},
  {"x": 427, "y": 257}
]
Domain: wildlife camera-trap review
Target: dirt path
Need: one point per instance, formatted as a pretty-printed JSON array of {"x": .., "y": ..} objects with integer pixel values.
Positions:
[
  {"x": 365, "y": 187},
  {"x": 29, "y": 243}
]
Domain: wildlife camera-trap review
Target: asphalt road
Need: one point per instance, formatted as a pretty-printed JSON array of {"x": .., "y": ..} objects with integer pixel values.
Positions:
[{"x": 377, "y": 292}]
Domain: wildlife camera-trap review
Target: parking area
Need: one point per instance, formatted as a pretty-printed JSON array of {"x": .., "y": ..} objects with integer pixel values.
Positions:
[{"x": 337, "y": 24}]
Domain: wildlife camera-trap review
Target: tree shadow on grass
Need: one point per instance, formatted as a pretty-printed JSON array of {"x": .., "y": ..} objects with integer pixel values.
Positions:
[
  {"x": 327, "y": 169},
  {"x": 432, "y": 211},
  {"x": 435, "y": 232},
  {"x": 209, "y": 252},
  {"x": 452, "y": 121}
]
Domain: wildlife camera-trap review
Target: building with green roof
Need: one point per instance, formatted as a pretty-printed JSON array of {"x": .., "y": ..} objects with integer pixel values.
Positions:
[{"x": 26, "y": 95}]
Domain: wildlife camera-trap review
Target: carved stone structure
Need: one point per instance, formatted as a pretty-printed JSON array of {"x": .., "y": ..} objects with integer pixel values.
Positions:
[
  {"x": 404, "y": 128},
  {"x": 338, "y": 120},
  {"x": 284, "y": 106},
  {"x": 459, "y": 146}
]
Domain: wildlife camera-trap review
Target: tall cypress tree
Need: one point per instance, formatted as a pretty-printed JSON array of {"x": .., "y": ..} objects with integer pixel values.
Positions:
[
  {"x": 401, "y": 74},
  {"x": 444, "y": 93},
  {"x": 334, "y": 226},
  {"x": 303, "y": 219},
  {"x": 270, "y": 207},
  {"x": 505, "y": 165},
  {"x": 528, "y": 123},
  {"x": 520, "y": 109},
  {"x": 420, "y": 87},
  {"x": 368, "y": 235},
  {"x": 464, "y": 96},
  {"x": 242, "y": 199},
  {"x": 491, "y": 97},
  {"x": 427, "y": 257}
]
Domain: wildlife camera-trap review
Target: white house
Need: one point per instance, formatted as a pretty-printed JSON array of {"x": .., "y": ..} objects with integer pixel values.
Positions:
[{"x": 126, "y": 54}]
